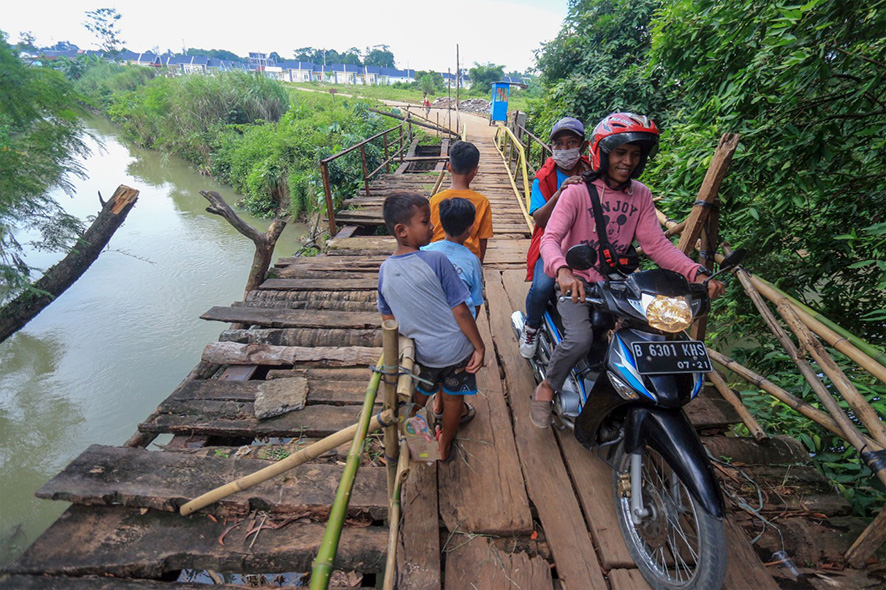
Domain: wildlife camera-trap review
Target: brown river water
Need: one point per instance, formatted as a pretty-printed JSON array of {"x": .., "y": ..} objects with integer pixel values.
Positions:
[{"x": 98, "y": 360}]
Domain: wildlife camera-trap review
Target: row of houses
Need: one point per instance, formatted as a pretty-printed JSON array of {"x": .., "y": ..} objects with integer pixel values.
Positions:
[{"x": 286, "y": 71}]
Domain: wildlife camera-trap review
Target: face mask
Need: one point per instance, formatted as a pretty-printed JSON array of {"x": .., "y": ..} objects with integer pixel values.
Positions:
[{"x": 566, "y": 159}]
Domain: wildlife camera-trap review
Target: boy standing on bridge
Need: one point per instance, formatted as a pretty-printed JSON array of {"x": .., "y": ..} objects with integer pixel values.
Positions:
[
  {"x": 423, "y": 292},
  {"x": 464, "y": 161},
  {"x": 457, "y": 218}
]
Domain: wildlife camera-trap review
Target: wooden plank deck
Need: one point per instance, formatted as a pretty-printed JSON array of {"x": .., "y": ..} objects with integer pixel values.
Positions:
[{"x": 519, "y": 507}]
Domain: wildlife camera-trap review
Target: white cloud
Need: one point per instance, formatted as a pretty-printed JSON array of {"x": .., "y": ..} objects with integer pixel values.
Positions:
[{"x": 422, "y": 35}]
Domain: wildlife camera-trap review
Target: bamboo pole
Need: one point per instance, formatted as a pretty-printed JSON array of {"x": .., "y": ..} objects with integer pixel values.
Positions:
[
  {"x": 811, "y": 376},
  {"x": 407, "y": 361},
  {"x": 306, "y": 454},
  {"x": 394, "y": 518},
  {"x": 834, "y": 339},
  {"x": 391, "y": 368},
  {"x": 819, "y": 319},
  {"x": 838, "y": 338},
  {"x": 322, "y": 570},
  {"x": 730, "y": 396},
  {"x": 860, "y": 407},
  {"x": 439, "y": 182},
  {"x": 303, "y": 456},
  {"x": 801, "y": 406},
  {"x": 868, "y": 542},
  {"x": 850, "y": 433}
]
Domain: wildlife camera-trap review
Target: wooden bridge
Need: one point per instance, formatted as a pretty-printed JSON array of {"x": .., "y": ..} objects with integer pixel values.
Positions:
[{"x": 519, "y": 508}]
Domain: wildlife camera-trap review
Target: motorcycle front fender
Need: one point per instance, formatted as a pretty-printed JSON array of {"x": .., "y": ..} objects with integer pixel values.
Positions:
[{"x": 671, "y": 434}]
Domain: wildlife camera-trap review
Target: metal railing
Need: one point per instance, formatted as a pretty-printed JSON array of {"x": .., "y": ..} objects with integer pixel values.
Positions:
[
  {"x": 404, "y": 131},
  {"x": 511, "y": 150}
]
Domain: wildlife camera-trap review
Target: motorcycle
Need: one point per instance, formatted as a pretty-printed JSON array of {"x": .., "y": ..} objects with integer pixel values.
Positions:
[{"x": 625, "y": 399}]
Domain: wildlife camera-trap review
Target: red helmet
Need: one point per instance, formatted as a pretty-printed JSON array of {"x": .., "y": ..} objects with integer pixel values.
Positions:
[{"x": 618, "y": 129}]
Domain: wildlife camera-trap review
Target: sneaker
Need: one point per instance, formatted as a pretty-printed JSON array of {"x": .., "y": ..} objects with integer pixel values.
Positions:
[
  {"x": 540, "y": 413},
  {"x": 528, "y": 342}
]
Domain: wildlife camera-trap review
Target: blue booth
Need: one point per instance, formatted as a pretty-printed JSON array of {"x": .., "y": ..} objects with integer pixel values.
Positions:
[{"x": 498, "y": 107}]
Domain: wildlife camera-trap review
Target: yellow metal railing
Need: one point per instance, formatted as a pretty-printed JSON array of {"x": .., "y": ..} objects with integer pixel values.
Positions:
[{"x": 505, "y": 139}]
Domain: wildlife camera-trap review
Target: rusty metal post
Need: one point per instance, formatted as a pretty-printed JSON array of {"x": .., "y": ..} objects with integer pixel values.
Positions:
[
  {"x": 391, "y": 368},
  {"x": 363, "y": 160},
  {"x": 387, "y": 164},
  {"x": 327, "y": 190},
  {"x": 401, "y": 143}
]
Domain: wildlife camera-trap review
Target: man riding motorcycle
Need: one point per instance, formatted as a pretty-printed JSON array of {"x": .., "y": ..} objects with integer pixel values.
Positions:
[{"x": 620, "y": 147}]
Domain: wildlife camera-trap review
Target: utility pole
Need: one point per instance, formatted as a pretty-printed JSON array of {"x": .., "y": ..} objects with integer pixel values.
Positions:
[
  {"x": 449, "y": 96},
  {"x": 457, "y": 93}
]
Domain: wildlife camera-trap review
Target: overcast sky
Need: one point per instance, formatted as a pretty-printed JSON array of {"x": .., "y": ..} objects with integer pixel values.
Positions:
[{"x": 422, "y": 34}]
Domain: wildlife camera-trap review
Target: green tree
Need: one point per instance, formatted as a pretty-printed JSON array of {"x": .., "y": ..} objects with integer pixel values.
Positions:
[
  {"x": 27, "y": 41},
  {"x": 40, "y": 141},
  {"x": 808, "y": 188},
  {"x": 379, "y": 55},
  {"x": 482, "y": 76},
  {"x": 598, "y": 64},
  {"x": 351, "y": 57},
  {"x": 103, "y": 23},
  {"x": 428, "y": 81},
  {"x": 216, "y": 53}
]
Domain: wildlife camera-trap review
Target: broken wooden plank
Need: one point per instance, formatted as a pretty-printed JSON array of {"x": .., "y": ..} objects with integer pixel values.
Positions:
[
  {"x": 418, "y": 552},
  {"x": 474, "y": 562},
  {"x": 547, "y": 480},
  {"x": 324, "y": 375},
  {"x": 123, "y": 542},
  {"x": 309, "y": 337},
  {"x": 293, "y": 318},
  {"x": 320, "y": 391},
  {"x": 316, "y": 421},
  {"x": 368, "y": 284},
  {"x": 279, "y": 396},
  {"x": 232, "y": 353},
  {"x": 487, "y": 459},
  {"x": 136, "y": 478}
]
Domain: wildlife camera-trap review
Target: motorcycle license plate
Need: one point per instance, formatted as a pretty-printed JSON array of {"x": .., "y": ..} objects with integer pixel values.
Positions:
[{"x": 683, "y": 356}]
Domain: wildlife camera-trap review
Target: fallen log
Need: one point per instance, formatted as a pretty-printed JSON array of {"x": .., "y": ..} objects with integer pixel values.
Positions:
[{"x": 55, "y": 281}]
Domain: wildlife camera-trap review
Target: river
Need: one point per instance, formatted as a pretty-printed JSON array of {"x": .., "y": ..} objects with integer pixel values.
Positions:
[{"x": 98, "y": 360}]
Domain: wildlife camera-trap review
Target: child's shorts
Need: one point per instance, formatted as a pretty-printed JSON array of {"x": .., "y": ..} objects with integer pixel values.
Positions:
[{"x": 454, "y": 379}]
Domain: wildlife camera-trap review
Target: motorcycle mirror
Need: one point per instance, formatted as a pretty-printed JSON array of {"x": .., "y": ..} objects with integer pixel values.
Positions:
[
  {"x": 581, "y": 257},
  {"x": 734, "y": 259}
]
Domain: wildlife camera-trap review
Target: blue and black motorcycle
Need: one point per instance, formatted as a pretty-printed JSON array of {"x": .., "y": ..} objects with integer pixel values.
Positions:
[{"x": 625, "y": 400}]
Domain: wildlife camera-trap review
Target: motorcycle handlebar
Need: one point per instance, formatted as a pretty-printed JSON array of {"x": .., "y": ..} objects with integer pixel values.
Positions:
[{"x": 588, "y": 300}]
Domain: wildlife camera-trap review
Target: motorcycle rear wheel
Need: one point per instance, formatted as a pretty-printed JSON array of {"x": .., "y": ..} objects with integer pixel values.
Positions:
[{"x": 678, "y": 545}]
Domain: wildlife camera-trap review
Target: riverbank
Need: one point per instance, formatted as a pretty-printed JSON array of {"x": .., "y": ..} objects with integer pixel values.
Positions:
[{"x": 84, "y": 370}]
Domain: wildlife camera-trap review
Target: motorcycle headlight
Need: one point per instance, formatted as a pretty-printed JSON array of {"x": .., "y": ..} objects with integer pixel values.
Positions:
[{"x": 669, "y": 314}]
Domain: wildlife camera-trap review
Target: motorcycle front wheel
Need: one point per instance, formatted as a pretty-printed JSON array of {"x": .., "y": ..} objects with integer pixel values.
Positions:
[{"x": 676, "y": 544}]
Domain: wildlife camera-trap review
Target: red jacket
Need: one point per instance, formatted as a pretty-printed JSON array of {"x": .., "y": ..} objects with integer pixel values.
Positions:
[{"x": 547, "y": 185}]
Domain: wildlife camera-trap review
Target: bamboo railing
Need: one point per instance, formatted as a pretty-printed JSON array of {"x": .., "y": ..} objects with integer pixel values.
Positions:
[{"x": 805, "y": 324}]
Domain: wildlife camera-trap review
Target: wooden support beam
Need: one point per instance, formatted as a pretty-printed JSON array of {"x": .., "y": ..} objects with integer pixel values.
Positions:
[{"x": 708, "y": 191}]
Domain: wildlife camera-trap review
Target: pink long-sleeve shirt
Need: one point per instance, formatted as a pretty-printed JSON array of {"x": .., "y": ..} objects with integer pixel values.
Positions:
[{"x": 627, "y": 215}]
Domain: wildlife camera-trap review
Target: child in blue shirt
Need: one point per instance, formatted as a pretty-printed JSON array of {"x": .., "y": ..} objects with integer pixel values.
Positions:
[
  {"x": 457, "y": 219},
  {"x": 423, "y": 292}
]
